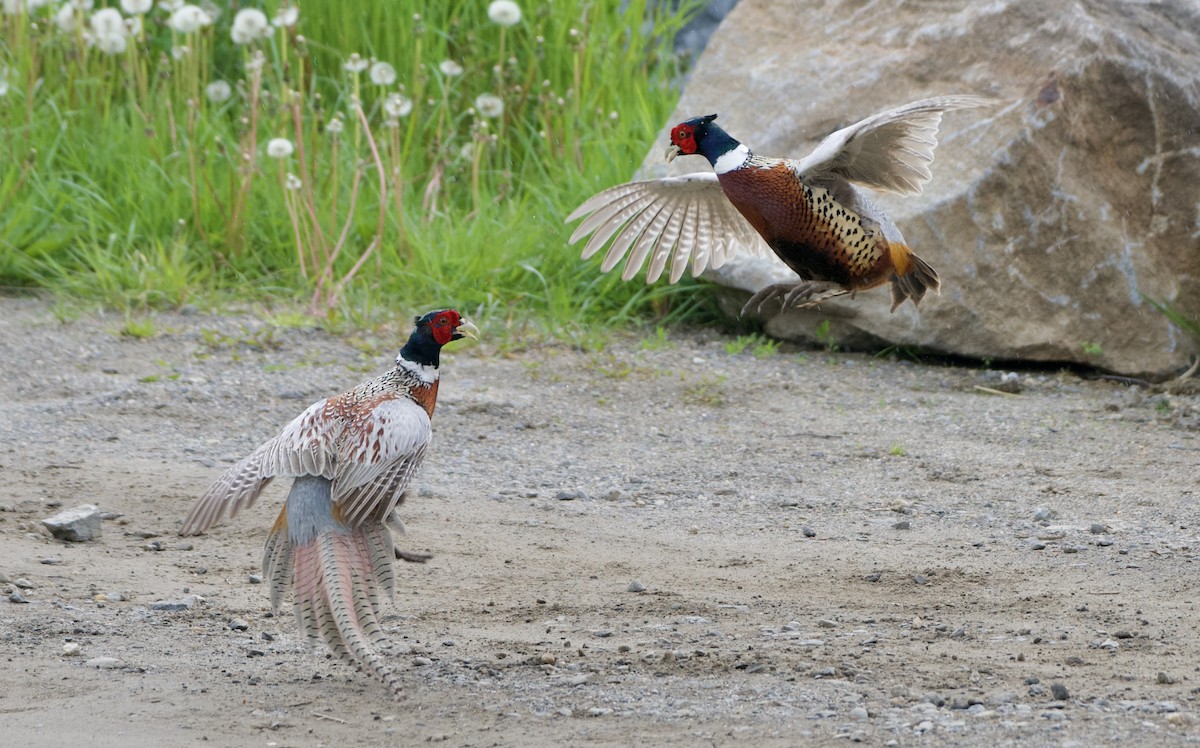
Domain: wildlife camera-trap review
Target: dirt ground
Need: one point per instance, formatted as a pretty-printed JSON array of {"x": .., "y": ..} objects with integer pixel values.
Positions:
[{"x": 833, "y": 547}]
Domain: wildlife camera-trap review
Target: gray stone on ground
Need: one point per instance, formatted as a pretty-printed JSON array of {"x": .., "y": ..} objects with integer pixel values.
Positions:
[
  {"x": 80, "y": 524},
  {"x": 1046, "y": 252}
]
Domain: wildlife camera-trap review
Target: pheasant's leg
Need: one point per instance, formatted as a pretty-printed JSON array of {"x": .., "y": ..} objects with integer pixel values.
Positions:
[
  {"x": 811, "y": 293},
  {"x": 756, "y": 301},
  {"x": 413, "y": 558},
  {"x": 795, "y": 295},
  {"x": 397, "y": 526}
]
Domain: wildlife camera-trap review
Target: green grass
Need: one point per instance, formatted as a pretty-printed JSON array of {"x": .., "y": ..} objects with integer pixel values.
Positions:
[{"x": 122, "y": 183}]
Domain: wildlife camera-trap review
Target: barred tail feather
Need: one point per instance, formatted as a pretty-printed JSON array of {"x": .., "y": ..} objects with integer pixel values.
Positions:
[{"x": 336, "y": 574}]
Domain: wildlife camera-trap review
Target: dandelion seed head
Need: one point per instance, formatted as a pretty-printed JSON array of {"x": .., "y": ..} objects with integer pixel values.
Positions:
[
  {"x": 573, "y": 33},
  {"x": 181, "y": 51},
  {"x": 3, "y": 87},
  {"x": 111, "y": 44},
  {"x": 188, "y": 19},
  {"x": 450, "y": 68},
  {"x": 170, "y": 5},
  {"x": 213, "y": 10},
  {"x": 133, "y": 25},
  {"x": 504, "y": 12},
  {"x": 391, "y": 123},
  {"x": 356, "y": 64},
  {"x": 467, "y": 151},
  {"x": 489, "y": 105},
  {"x": 137, "y": 7},
  {"x": 613, "y": 115},
  {"x": 280, "y": 148},
  {"x": 83, "y": 4},
  {"x": 292, "y": 182},
  {"x": 249, "y": 25},
  {"x": 218, "y": 91},
  {"x": 285, "y": 18},
  {"x": 108, "y": 21},
  {"x": 397, "y": 105},
  {"x": 66, "y": 19},
  {"x": 256, "y": 61},
  {"x": 383, "y": 74},
  {"x": 334, "y": 126}
]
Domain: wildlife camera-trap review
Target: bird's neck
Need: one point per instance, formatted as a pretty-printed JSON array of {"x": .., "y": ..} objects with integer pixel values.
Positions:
[
  {"x": 722, "y": 151},
  {"x": 425, "y": 373},
  {"x": 420, "y": 354},
  {"x": 418, "y": 381}
]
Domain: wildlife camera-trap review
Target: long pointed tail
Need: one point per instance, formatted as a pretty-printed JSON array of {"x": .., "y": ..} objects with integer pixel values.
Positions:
[
  {"x": 336, "y": 573},
  {"x": 913, "y": 276}
]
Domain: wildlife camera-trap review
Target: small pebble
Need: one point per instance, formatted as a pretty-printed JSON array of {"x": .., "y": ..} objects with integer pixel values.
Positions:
[
  {"x": 873, "y": 577},
  {"x": 547, "y": 659},
  {"x": 1166, "y": 679},
  {"x": 1059, "y": 691},
  {"x": 636, "y": 586},
  {"x": 237, "y": 624},
  {"x": 176, "y": 605},
  {"x": 568, "y": 495},
  {"x": 16, "y": 597},
  {"x": 421, "y": 661},
  {"x": 902, "y": 525},
  {"x": 1098, "y": 529},
  {"x": 808, "y": 532},
  {"x": 105, "y": 663},
  {"x": 1042, "y": 514},
  {"x": 255, "y": 579},
  {"x": 920, "y": 579},
  {"x": 70, "y": 649},
  {"x": 51, "y": 560},
  {"x": 825, "y": 623},
  {"x": 859, "y": 713}
]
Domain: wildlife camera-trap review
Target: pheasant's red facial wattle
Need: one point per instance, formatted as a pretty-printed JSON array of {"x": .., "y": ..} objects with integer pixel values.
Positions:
[
  {"x": 684, "y": 136},
  {"x": 443, "y": 326}
]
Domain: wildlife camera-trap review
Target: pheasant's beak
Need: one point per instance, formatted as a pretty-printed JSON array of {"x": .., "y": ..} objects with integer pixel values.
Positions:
[
  {"x": 466, "y": 330},
  {"x": 673, "y": 151}
]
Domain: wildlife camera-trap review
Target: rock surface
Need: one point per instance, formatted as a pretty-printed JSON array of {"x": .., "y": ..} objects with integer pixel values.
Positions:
[
  {"x": 1053, "y": 219},
  {"x": 76, "y": 525}
]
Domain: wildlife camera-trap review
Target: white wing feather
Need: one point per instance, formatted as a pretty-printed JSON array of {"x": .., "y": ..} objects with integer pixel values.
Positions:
[
  {"x": 889, "y": 151},
  {"x": 316, "y": 444},
  {"x": 379, "y": 457},
  {"x": 304, "y": 447},
  {"x": 675, "y": 219}
]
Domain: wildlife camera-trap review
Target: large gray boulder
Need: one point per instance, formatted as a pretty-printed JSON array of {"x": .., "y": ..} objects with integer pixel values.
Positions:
[{"x": 1054, "y": 219}]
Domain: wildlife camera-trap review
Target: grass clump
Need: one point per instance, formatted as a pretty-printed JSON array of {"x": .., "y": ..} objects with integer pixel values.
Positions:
[{"x": 346, "y": 158}]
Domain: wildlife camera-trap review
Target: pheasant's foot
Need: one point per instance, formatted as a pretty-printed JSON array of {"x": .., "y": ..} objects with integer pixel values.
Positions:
[
  {"x": 413, "y": 558},
  {"x": 795, "y": 295}
]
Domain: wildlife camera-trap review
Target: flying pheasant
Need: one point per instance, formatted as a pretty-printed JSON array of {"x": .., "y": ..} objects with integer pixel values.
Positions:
[
  {"x": 351, "y": 457},
  {"x": 806, "y": 211}
]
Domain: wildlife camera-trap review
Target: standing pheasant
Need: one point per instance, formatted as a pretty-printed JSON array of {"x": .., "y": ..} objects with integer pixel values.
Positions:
[
  {"x": 806, "y": 211},
  {"x": 351, "y": 457}
]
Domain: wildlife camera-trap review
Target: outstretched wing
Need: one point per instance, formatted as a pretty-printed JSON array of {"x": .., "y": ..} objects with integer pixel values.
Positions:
[
  {"x": 673, "y": 219},
  {"x": 889, "y": 151},
  {"x": 305, "y": 447},
  {"x": 379, "y": 454}
]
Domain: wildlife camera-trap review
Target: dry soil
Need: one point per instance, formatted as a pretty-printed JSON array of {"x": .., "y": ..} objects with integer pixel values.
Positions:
[{"x": 833, "y": 547}]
